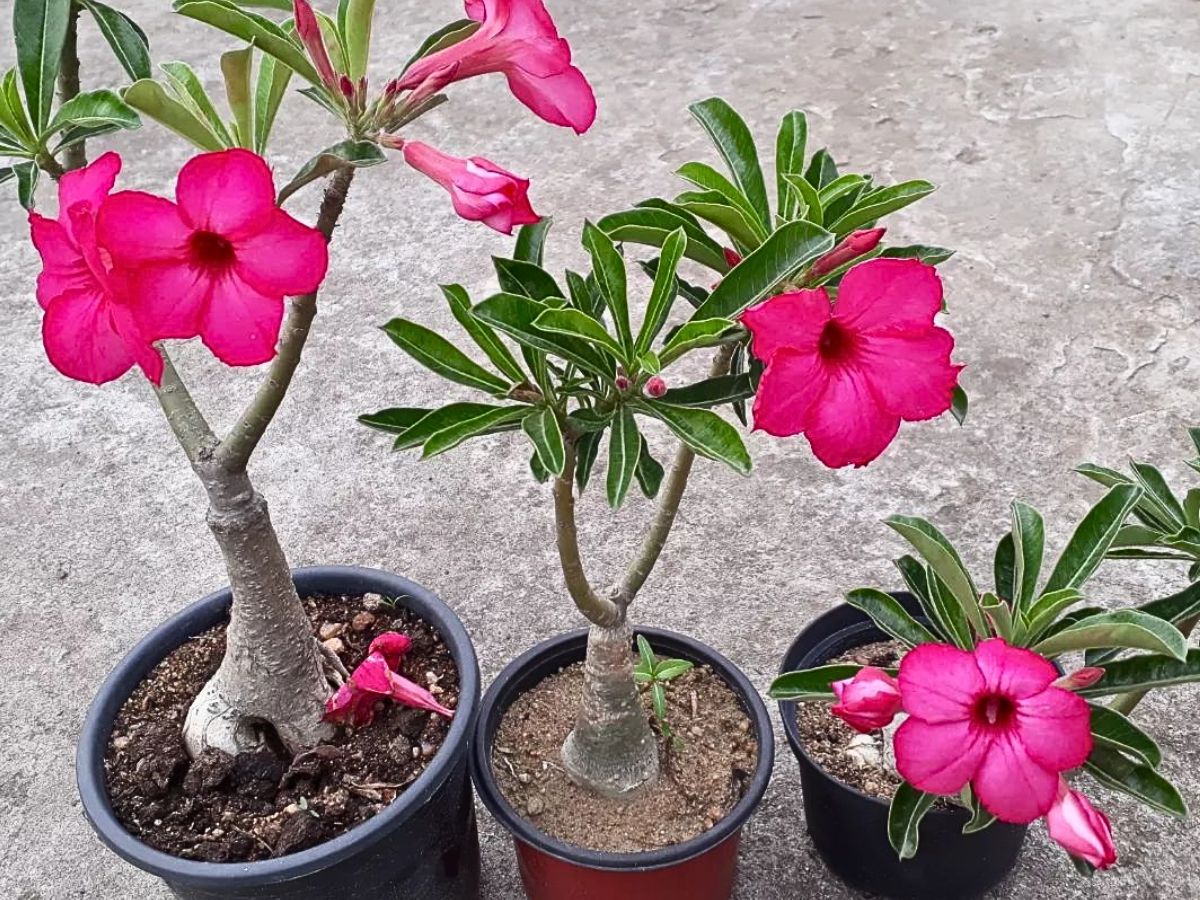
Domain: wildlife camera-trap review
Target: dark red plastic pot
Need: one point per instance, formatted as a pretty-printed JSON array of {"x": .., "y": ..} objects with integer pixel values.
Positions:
[
  {"x": 423, "y": 846},
  {"x": 849, "y": 828},
  {"x": 703, "y": 868}
]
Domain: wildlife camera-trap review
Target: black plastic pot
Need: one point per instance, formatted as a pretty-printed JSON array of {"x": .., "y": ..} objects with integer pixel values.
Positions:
[
  {"x": 423, "y": 846},
  {"x": 849, "y": 828},
  {"x": 703, "y": 868}
]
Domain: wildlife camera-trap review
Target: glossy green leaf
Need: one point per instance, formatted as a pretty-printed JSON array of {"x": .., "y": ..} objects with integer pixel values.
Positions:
[
  {"x": 543, "y": 429},
  {"x": 960, "y": 404},
  {"x": 736, "y": 146},
  {"x": 980, "y": 817},
  {"x": 1158, "y": 494},
  {"x": 525, "y": 278},
  {"x": 707, "y": 178},
  {"x": 394, "y": 420},
  {"x": 624, "y": 446},
  {"x": 586, "y": 449},
  {"x": 609, "y": 269},
  {"x": 806, "y": 201},
  {"x": 149, "y": 98},
  {"x": 538, "y": 469},
  {"x": 945, "y": 561},
  {"x": 715, "y": 207},
  {"x": 1143, "y": 673},
  {"x": 236, "y": 67},
  {"x": 39, "y": 31},
  {"x": 1126, "y": 628},
  {"x": 92, "y": 109},
  {"x": 811, "y": 684},
  {"x": 790, "y": 150},
  {"x": 943, "y": 621},
  {"x": 73, "y": 134},
  {"x": 1004, "y": 565},
  {"x": 514, "y": 315},
  {"x": 488, "y": 423},
  {"x": 705, "y": 432},
  {"x": 127, "y": 41},
  {"x": 356, "y": 31},
  {"x": 1114, "y": 731},
  {"x": 880, "y": 203},
  {"x": 892, "y": 618},
  {"x": 7, "y": 173},
  {"x": 791, "y": 247},
  {"x": 12, "y": 111},
  {"x": 580, "y": 325},
  {"x": 662, "y": 294},
  {"x": 658, "y": 696},
  {"x": 439, "y": 420},
  {"x": 646, "y": 656},
  {"x": 269, "y": 90},
  {"x": 652, "y": 226},
  {"x": 188, "y": 89},
  {"x": 1044, "y": 612},
  {"x": 821, "y": 169},
  {"x": 484, "y": 337},
  {"x": 252, "y": 28},
  {"x": 446, "y": 36},
  {"x": 1029, "y": 543},
  {"x": 1093, "y": 536},
  {"x": 438, "y": 355},
  {"x": 695, "y": 334},
  {"x": 999, "y": 615},
  {"x": 349, "y": 153},
  {"x": 27, "y": 180},
  {"x": 908, "y": 808},
  {"x": 1176, "y": 608},
  {"x": 929, "y": 255},
  {"x": 670, "y": 669},
  {"x": 949, "y": 612},
  {"x": 649, "y": 472},
  {"x": 841, "y": 187},
  {"x": 531, "y": 241},
  {"x": 1137, "y": 780},
  {"x": 711, "y": 392}
]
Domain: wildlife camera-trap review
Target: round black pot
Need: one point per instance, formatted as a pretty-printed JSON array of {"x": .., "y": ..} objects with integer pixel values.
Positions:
[
  {"x": 423, "y": 846},
  {"x": 849, "y": 828},
  {"x": 703, "y": 868}
]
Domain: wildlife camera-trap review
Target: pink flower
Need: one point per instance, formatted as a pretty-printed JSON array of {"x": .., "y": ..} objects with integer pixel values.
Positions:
[
  {"x": 851, "y": 247},
  {"x": 1080, "y": 828},
  {"x": 518, "y": 38},
  {"x": 309, "y": 31},
  {"x": 480, "y": 190},
  {"x": 376, "y": 679},
  {"x": 220, "y": 261},
  {"x": 868, "y": 701},
  {"x": 846, "y": 375},
  {"x": 89, "y": 330},
  {"x": 655, "y": 387},
  {"x": 992, "y": 718}
]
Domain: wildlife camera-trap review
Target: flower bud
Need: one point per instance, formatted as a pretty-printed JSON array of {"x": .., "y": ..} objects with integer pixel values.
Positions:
[
  {"x": 1081, "y": 829},
  {"x": 731, "y": 256},
  {"x": 1080, "y": 678},
  {"x": 622, "y": 383},
  {"x": 852, "y": 246},
  {"x": 655, "y": 387},
  {"x": 868, "y": 701},
  {"x": 391, "y": 141},
  {"x": 480, "y": 190},
  {"x": 346, "y": 86}
]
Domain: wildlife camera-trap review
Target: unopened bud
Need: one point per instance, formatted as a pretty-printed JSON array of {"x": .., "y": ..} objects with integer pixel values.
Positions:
[
  {"x": 391, "y": 141},
  {"x": 1080, "y": 678},
  {"x": 731, "y": 256},
  {"x": 392, "y": 88},
  {"x": 346, "y": 86},
  {"x": 655, "y": 387},
  {"x": 851, "y": 247},
  {"x": 622, "y": 383}
]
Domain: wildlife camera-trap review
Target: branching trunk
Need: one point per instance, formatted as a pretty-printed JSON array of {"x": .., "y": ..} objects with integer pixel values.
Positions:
[{"x": 75, "y": 156}]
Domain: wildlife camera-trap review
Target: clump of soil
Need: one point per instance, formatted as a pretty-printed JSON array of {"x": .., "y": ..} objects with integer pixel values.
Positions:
[
  {"x": 703, "y": 772},
  {"x": 827, "y": 738},
  {"x": 268, "y": 803}
]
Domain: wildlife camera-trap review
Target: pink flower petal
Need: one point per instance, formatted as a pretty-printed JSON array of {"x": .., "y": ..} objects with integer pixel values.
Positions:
[
  {"x": 168, "y": 299},
  {"x": 793, "y": 320},
  {"x": 373, "y": 675},
  {"x": 792, "y": 384},
  {"x": 392, "y": 646},
  {"x": 1011, "y": 784},
  {"x": 1013, "y": 671},
  {"x": 286, "y": 258},
  {"x": 849, "y": 426},
  {"x": 891, "y": 296},
  {"x": 138, "y": 228},
  {"x": 89, "y": 185},
  {"x": 240, "y": 325},
  {"x": 564, "y": 98},
  {"x": 912, "y": 374},
  {"x": 63, "y": 265},
  {"x": 407, "y": 693},
  {"x": 230, "y": 193},
  {"x": 1055, "y": 727},
  {"x": 90, "y": 338},
  {"x": 939, "y": 683},
  {"x": 939, "y": 758}
]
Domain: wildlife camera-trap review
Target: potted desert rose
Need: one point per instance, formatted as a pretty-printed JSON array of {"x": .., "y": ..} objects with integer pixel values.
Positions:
[
  {"x": 960, "y": 707},
  {"x": 583, "y": 740},
  {"x": 229, "y": 753}
]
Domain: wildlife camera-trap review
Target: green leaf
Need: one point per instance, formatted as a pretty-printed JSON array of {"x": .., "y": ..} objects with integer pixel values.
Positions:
[
  {"x": 236, "y": 67},
  {"x": 705, "y": 432},
  {"x": 1144, "y": 673},
  {"x": 395, "y": 420},
  {"x": 72, "y": 135},
  {"x": 694, "y": 334},
  {"x": 514, "y": 315},
  {"x": 811, "y": 684},
  {"x": 39, "y": 30},
  {"x": 1093, "y": 536},
  {"x": 437, "y": 354},
  {"x": 185, "y": 84},
  {"x": 736, "y": 146},
  {"x": 538, "y": 469},
  {"x": 646, "y": 654},
  {"x": 670, "y": 669},
  {"x": 809, "y": 199},
  {"x": 580, "y": 325},
  {"x": 1159, "y": 494},
  {"x": 27, "y": 180},
  {"x": 7, "y": 174},
  {"x": 483, "y": 336},
  {"x": 1114, "y": 731},
  {"x": 945, "y": 561},
  {"x": 821, "y": 169},
  {"x": 356, "y": 31},
  {"x": 959, "y": 404},
  {"x": 439, "y": 420},
  {"x": 624, "y": 446},
  {"x": 711, "y": 391},
  {"x": 945, "y": 615},
  {"x": 531, "y": 241},
  {"x": 999, "y": 614},
  {"x": 929, "y": 255},
  {"x": 488, "y": 423},
  {"x": 446, "y": 36},
  {"x": 1139, "y": 781},
  {"x": 1191, "y": 507},
  {"x": 892, "y": 618},
  {"x": 950, "y": 612},
  {"x": 586, "y": 448},
  {"x": 662, "y": 295},
  {"x": 880, "y": 203},
  {"x": 92, "y": 109},
  {"x": 904, "y": 819},
  {"x": 269, "y": 90},
  {"x": 149, "y": 98},
  {"x": 12, "y": 112},
  {"x": 609, "y": 269},
  {"x": 252, "y": 28},
  {"x": 127, "y": 41},
  {"x": 525, "y": 278},
  {"x": 652, "y": 226},
  {"x": 790, "y": 151},
  {"x": 707, "y": 178},
  {"x": 1045, "y": 611},
  {"x": 1004, "y": 565},
  {"x": 349, "y": 153},
  {"x": 542, "y": 427},
  {"x": 980, "y": 817},
  {"x": 1029, "y": 544},
  {"x": 1126, "y": 628},
  {"x": 649, "y": 472},
  {"x": 715, "y": 207},
  {"x": 1177, "y": 608},
  {"x": 659, "y": 696}
]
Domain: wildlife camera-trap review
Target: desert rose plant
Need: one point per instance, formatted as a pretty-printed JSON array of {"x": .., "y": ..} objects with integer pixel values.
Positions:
[
  {"x": 125, "y": 272},
  {"x": 991, "y": 719},
  {"x": 832, "y": 333}
]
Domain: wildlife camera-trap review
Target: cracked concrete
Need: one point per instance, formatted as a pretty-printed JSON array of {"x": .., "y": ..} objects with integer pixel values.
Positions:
[{"x": 1064, "y": 140}]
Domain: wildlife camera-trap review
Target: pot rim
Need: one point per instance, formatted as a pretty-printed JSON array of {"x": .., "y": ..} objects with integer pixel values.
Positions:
[
  {"x": 575, "y": 643},
  {"x": 204, "y": 614}
]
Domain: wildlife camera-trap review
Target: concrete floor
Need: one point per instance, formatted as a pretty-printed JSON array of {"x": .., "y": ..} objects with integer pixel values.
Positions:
[{"x": 1063, "y": 137}]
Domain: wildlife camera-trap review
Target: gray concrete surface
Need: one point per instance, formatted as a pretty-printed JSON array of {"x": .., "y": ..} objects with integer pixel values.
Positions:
[{"x": 1063, "y": 136}]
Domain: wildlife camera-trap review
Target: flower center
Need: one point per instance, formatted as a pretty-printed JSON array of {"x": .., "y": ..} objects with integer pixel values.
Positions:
[
  {"x": 836, "y": 343},
  {"x": 211, "y": 250},
  {"x": 995, "y": 711}
]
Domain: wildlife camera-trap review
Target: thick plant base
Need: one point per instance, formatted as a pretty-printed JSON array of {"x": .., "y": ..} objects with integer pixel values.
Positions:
[
  {"x": 424, "y": 846},
  {"x": 849, "y": 828},
  {"x": 703, "y": 868}
]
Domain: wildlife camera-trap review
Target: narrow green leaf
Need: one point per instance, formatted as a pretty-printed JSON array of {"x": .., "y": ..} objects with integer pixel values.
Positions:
[
  {"x": 736, "y": 146},
  {"x": 916, "y": 578},
  {"x": 1158, "y": 493},
  {"x": 908, "y": 808},
  {"x": 73, "y": 134},
  {"x": 950, "y": 612},
  {"x": 1093, "y": 536},
  {"x": 483, "y": 336},
  {"x": 39, "y": 30},
  {"x": 439, "y": 419},
  {"x": 91, "y": 109},
  {"x": 149, "y": 98},
  {"x": 269, "y": 90},
  {"x": 1177, "y": 608},
  {"x": 27, "y": 180},
  {"x": 930, "y": 255},
  {"x": 1191, "y": 507},
  {"x": 715, "y": 207},
  {"x": 998, "y": 613},
  {"x": 705, "y": 432},
  {"x": 538, "y": 469},
  {"x": 1139, "y": 781},
  {"x": 580, "y": 325},
  {"x": 980, "y": 817},
  {"x": 711, "y": 392},
  {"x": 790, "y": 150},
  {"x": 542, "y": 427},
  {"x": 438, "y": 355},
  {"x": 7, "y": 173},
  {"x": 658, "y": 695},
  {"x": 189, "y": 90},
  {"x": 1126, "y": 628},
  {"x": 394, "y": 420},
  {"x": 1114, "y": 731},
  {"x": 707, "y": 178},
  {"x": 236, "y": 66},
  {"x": 663, "y": 293},
  {"x": 531, "y": 241},
  {"x": 349, "y": 153},
  {"x": 892, "y": 618},
  {"x": 446, "y": 36},
  {"x": 1004, "y": 566},
  {"x": 652, "y": 226},
  {"x": 670, "y": 669},
  {"x": 959, "y": 403},
  {"x": 821, "y": 169},
  {"x": 624, "y": 446},
  {"x": 1029, "y": 543},
  {"x": 1143, "y": 673},
  {"x": 525, "y": 278},
  {"x": 127, "y": 41},
  {"x": 1043, "y": 613},
  {"x": 646, "y": 654},
  {"x": 12, "y": 112},
  {"x": 811, "y": 684},
  {"x": 609, "y": 269},
  {"x": 227, "y": 16},
  {"x": 807, "y": 202},
  {"x": 586, "y": 448},
  {"x": 880, "y": 203},
  {"x": 514, "y": 315},
  {"x": 649, "y": 472},
  {"x": 945, "y": 561},
  {"x": 356, "y": 32},
  {"x": 694, "y": 334},
  {"x": 490, "y": 422}
]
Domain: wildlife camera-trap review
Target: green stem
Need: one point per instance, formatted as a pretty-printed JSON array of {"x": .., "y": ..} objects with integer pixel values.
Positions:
[
  {"x": 598, "y": 610},
  {"x": 75, "y": 156},
  {"x": 190, "y": 427}
]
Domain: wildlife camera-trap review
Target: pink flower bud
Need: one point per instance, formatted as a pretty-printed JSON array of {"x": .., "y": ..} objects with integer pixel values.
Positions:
[
  {"x": 1080, "y": 678},
  {"x": 309, "y": 31},
  {"x": 868, "y": 701},
  {"x": 655, "y": 387},
  {"x": 480, "y": 190},
  {"x": 851, "y": 247},
  {"x": 1080, "y": 828},
  {"x": 731, "y": 256},
  {"x": 391, "y": 141},
  {"x": 622, "y": 383},
  {"x": 392, "y": 88},
  {"x": 346, "y": 86}
]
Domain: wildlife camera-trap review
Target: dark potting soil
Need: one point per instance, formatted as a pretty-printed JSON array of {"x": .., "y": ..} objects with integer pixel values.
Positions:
[
  {"x": 703, "y": 772},
  {"x": 267, "y": 804}
]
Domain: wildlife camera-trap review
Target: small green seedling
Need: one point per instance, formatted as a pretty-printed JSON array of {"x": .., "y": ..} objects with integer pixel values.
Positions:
[{"x": 658, "y": 673}]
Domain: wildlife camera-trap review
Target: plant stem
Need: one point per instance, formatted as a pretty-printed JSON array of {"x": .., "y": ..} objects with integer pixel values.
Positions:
[
  {"x": 74, "y": 156},
  {"x": 190, "y": 427},
  {"x": 235, "y": 451},
  {"x": 598, "y": 610}
]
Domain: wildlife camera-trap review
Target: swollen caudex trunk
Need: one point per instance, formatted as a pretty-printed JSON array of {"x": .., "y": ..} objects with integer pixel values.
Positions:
[
  {"x": 272, "y": 672},
  {"x": 611, "y": 750}
]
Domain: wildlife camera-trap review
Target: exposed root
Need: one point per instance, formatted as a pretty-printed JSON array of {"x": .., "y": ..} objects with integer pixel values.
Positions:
[{"x": 335, "y": 673}]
